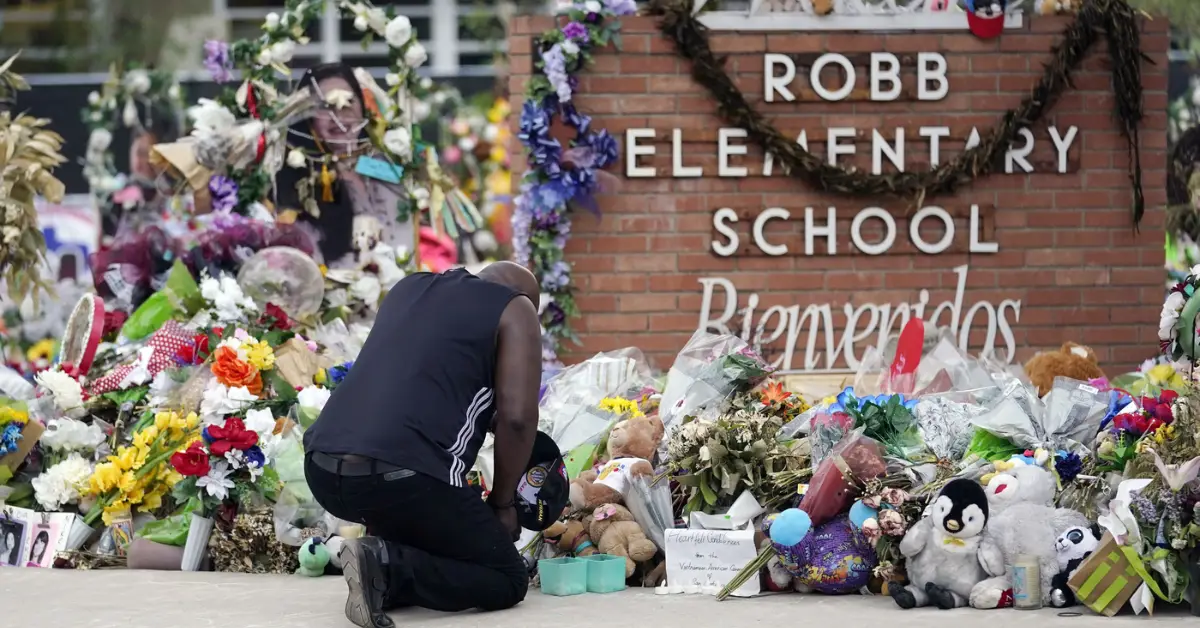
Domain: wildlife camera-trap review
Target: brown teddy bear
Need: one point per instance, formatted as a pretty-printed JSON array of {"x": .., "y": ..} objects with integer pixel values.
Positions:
[
  {"x": 618, "y": 534},
  {"x": 570, "y": 536},
  {"x": 1071, "y": 360},
  {"x": 631, "y": 444}
]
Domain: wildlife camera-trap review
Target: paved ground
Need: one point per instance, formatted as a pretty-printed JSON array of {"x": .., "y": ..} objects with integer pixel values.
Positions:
[{"x": 147, "y": 599}]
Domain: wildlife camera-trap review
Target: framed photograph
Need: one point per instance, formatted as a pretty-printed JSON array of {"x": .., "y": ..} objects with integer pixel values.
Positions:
[
  {"x": 43, "y": 543},
  {"x": 12, "y": 539}
]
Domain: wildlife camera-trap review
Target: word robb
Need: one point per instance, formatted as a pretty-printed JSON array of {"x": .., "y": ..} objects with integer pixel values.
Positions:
[{"x": 865, "y": 322}]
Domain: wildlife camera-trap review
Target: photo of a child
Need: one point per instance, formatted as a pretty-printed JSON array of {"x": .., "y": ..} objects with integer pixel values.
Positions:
[
  {"x": 41, "y": 548},
  {"x": 12, "y": 536}
]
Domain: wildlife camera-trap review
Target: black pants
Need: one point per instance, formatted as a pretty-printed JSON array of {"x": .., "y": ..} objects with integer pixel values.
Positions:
[{"x": 446, "y": 550}]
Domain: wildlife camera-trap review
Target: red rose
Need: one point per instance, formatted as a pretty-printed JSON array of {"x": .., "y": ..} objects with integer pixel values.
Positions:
[
  {"x": 113, "y": 321},
  {"x": 276, "y": 317},
  {"x": 1168, "y": 396},
  {"x": 191, "y": 462},
  {"x": 201, "y": 342},
  {"x": 233, "y": 436}
]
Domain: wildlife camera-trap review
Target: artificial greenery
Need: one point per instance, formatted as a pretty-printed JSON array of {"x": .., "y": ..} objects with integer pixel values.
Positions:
[
  {"x": 1113, "y": 20},
  {"x": 891, "y": 423}
]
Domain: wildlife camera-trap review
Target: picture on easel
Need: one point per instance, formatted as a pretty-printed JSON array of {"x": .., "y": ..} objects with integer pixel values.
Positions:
[
  {"x": 12, "y": 539},
  {"x": 43, "y": 541}
]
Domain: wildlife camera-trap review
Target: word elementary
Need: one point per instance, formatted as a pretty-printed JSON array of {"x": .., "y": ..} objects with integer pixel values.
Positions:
[{"x": 780, "y": 74}]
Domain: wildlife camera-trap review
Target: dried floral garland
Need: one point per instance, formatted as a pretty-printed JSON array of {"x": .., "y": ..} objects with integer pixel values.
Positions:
[
  {"x": 115, "y": 106},
  {"x": 558, "y": 180},
  {"x": 1114, "y": 20}
]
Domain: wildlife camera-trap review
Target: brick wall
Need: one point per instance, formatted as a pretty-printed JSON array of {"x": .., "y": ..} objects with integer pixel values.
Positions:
[{"x": 1066, "y": 247}]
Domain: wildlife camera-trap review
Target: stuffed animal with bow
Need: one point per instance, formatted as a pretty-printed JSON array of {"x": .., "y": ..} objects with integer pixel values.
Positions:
[{"x": 942, "y": 549}]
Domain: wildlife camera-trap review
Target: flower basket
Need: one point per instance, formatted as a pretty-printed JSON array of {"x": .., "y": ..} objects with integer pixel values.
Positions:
[
  {"x": 79, "y": 534},
  {"x": 197, "y": 542}
]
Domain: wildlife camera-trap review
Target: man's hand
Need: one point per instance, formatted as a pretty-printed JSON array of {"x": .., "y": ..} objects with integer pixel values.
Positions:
[{"x": 508, "y": 518}]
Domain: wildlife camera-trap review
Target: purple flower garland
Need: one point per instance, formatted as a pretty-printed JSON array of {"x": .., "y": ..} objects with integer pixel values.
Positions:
[{"x": 559, "y": 180}]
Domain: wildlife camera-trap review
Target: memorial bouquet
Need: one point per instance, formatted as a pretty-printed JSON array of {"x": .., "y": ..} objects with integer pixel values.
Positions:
[{"x": 229, "y": 463}]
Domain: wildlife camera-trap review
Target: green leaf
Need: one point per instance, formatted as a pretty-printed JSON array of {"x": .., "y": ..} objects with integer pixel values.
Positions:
[
  {"x": 691, "y": 480},
  {"x": 710, "y": 497}
]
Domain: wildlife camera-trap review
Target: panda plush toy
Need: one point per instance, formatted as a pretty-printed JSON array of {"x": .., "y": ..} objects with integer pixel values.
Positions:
[{"x": 1072, "y": 547}]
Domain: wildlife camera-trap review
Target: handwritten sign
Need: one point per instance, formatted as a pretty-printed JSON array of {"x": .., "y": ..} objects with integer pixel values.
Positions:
[{"x": 704, "y": 561}]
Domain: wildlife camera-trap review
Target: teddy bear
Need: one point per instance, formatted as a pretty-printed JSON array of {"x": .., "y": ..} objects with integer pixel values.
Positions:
[
  {"x": 1027, "y": 523},
  {"x": 834, "y": 557},
  {"x": 618, "y": 534},
  {"x": 631, "y": 444},
  {"x": 1070, "y": 360},
  {"x": 570, "y": 536},
  {"x": 942, "y": 549}
]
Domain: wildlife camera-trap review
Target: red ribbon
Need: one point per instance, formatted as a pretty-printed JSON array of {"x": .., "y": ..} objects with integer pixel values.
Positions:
[{"x": 252, "y": 105}]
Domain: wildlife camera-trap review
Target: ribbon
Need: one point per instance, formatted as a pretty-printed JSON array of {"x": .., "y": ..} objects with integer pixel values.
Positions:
[{"x": 252, "y": 106}]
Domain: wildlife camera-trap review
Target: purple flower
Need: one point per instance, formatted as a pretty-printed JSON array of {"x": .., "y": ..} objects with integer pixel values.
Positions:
[
  {"x": 521, "y": 222},
  {"x": 621, "y": 7},
  {"x": 224, "y": 193},
  {"x": 534, "y": 133},
  {"x": 557, "y": 277},
  {"x": 554, "y": 315},
  {"x": 216, "y": 60},
  {"x": 255, "y": 457},
  {"x": 554, "y": 64},
  {"x": 576, "y": 31}
]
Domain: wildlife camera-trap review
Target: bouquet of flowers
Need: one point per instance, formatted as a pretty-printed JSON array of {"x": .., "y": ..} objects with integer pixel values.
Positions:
[
  {"x": 230, "y": 462},
  {"x": 138, "y": 475}
]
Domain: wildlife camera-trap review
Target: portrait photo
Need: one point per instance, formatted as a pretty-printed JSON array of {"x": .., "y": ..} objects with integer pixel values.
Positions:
[{"x": 12, "y": 537}]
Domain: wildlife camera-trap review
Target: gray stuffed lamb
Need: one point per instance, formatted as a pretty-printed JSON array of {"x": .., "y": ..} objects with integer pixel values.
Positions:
[
  {"x": 942, "y": 548},
  {"x": 1026, "y": 523}
]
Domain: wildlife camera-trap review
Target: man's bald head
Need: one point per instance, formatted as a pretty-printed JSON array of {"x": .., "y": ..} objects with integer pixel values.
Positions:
[{"x": 514, "y": 276}]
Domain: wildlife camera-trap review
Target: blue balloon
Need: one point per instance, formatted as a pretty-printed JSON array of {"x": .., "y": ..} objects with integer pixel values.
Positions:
[
  {"x": 790, "y": 527},
  {"x": 860, "y": 512}
]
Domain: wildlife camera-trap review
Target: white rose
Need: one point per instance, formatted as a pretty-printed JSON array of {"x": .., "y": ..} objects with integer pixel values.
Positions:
[
  {"x": 100, "y": 140},
  {"x": 592, "y": 6},
  {"x": 138, "y": 81},
  {"x": 392, "y": 79},
  {"x": 398, "y": 141},
  {"x": 264, "y": 56},
  {"x": 467, "y": 144},
  {"x": 360, "y": 24},
  {"x": 491, "y": 133},
  {"x": 94, "y": 98},
  {"x": 415, "y": 56},
  {"x": 313, "y": 397},
  {"x": 398, "y": 31},
  {"x": 377, "y": 20},
  {"x": 569, "y": 47},
  {"x": 295, "y": 158},
  {"x": 421, "y": 110},
  {"x": 426, "y": 82},
  {"x": 272, "y": 22},
  {"x": 282, "y": 51},
  {"x": 173, "y": 91}
]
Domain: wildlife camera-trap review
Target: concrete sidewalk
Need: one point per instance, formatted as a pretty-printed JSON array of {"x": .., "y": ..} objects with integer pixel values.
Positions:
[{"x": 148, "y": 599}]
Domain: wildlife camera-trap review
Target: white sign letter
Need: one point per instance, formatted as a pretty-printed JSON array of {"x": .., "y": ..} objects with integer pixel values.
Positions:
[
  {"x": 937, "y": 73},
  {"x": 1063, "y": 144},
  {"x": 889, "y": 225},
  {"x": 633, "y": 151},
  {"x": 678, "y": 170},
  {"x": 812, "y": 231},
  {"x": 934, "y": 133},
  {"x": 717, "y": 326},
  {"x": 778, "y": 84},
  {"x": 914, "y": 230},
  {"x": 1018, "y": 155},
  {"x": 879, "y": 74},
  {"x": 815, "y": 76},
  {"x": 833, "y": 149},
  {"x": 977, "y": 244},
  {"x": 760, "y": 223},
  {"x": 880, "y": 147},
  {"x": 721, "y": 219},
  {"x": 725, "y": 149}
]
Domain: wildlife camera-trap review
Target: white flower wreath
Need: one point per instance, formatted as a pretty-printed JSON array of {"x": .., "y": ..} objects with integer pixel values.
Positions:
[{"x": 115, "y": 106}]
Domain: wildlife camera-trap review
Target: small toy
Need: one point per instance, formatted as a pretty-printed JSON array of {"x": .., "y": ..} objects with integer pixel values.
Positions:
[
  {"x": 313, "y": 558},
  {"x": 1073, "y": 547}
]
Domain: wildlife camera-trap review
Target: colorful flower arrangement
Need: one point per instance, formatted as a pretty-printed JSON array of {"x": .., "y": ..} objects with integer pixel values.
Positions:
[
  {"x": 229, "y": 461},
  {"x": 559, "y": 180},
  {"x": 260, "y": 62}
]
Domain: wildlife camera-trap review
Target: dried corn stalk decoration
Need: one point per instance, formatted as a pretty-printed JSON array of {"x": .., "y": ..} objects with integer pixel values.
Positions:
[
  {"x": 29, "y": 152},
  {"x": 1113, "y": 20}
]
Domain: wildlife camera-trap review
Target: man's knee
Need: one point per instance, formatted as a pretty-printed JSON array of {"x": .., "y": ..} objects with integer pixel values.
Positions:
[{"x": 513, "y": 593}]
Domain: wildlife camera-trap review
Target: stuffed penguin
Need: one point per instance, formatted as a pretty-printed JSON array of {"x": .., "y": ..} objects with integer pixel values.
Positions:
[
  {"x": 313, "y": 558},
  {"x": 941, "y": 549},
  {"x": 1072, "y": 547}
]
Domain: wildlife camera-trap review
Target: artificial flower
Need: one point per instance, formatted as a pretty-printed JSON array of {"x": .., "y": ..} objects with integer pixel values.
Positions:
[
  {"x": 137, "y": 81},
  {"x": 228, "y": 302},
  {"x": 261, "y": 422},
  {"x": 295, "y": 158},
  {"x": 620, "y": 407},
  {"x": 61, "y": 484},
  {"x": 891, "y": 522},
  {"x": 398, "y": 141},
  {"x": 313, "y": 397},
  {"x": 774, "y": 393},
  {"x": 280, "y": 52},
  {"x": 233, "y": 372},
  {"x": 70, "y": 435},
  {"x": 192, "y": 461},
  {"x": 217, "y": 483},
  {"x": 9, "y": 436},
  {"x": 260, "y": 355},
  {"x": 398, "y": 31},
  {"x": 339, "y": 98},
  {"x": 271, "y": 22},
  {"x": 220, "y": 400},
  {"x": 99, "y": 140},
  {"x": 232, "y": 435},
  {"x": 210, "y": 118},
  {"x": 278, "y": 319},
  {"x": 217, "y": 61},
  {"x": 415, "y": 56},
  {"x": 66, "y": 391}
]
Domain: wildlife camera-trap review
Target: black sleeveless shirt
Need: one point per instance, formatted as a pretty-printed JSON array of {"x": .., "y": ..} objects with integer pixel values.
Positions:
[{"x": 421, "y": 393}]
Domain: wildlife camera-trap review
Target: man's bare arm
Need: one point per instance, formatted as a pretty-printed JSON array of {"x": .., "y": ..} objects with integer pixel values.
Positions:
[{"x": 518, "y": 379}]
